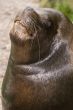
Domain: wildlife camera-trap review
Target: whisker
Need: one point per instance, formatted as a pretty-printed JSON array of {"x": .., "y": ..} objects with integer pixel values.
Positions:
[
  {"x": 37, "y": 40},
  {"x": 31, "y": 43},
  {"x": 38, "y": 46}
]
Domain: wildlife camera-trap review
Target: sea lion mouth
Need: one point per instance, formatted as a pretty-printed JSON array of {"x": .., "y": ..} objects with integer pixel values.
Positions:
[{"x": 18, "y": 34}]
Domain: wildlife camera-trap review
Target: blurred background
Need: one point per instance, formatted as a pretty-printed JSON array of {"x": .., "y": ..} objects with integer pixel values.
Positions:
[
  {"x": 65, "y": 6},
  {"x": 8, "y": 11}
]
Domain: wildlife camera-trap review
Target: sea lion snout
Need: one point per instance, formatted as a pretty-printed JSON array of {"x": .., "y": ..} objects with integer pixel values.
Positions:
[{"x": 25, "y": 26}]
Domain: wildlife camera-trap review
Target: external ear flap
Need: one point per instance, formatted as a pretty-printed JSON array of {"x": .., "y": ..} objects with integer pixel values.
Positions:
[{"x": 65, "y": 28}]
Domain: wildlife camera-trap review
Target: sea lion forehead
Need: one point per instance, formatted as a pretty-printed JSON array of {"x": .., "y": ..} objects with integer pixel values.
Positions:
[{"x": 38, "y": 12}]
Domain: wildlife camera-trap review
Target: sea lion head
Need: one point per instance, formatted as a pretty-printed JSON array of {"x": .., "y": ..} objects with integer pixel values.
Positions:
[{"x": 31, "y": 36}]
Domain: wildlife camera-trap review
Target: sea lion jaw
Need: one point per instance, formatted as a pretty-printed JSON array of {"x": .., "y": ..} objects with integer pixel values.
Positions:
[{"x": 21, "y": 45}]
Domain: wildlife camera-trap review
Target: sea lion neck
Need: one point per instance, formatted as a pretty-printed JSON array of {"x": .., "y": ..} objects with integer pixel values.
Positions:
[
  {"x": 58, "y": 48},
  {"x": 57, "y": 58},
  {"x": 31, "y": 52}
]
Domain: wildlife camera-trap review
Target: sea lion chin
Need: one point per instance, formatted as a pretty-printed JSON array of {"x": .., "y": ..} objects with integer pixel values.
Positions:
[{"x": 39, "y": 74}]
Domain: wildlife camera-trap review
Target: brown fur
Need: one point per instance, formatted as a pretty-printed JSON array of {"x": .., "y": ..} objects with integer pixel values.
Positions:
[{"x": 39, "y": 75}]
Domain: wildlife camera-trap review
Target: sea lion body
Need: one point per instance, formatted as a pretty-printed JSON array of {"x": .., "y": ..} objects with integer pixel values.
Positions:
[{"x": 39, "y": 76}]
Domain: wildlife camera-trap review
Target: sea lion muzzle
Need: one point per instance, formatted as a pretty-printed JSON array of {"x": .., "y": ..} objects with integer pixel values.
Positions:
[{"x": 25, "y": 26}]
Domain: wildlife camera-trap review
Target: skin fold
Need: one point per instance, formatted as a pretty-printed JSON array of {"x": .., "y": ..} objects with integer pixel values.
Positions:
[{"x": 39, "y": 74}]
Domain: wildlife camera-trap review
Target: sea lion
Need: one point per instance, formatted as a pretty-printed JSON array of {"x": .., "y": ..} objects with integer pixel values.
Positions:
[{"x": 39, "y": 75}]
